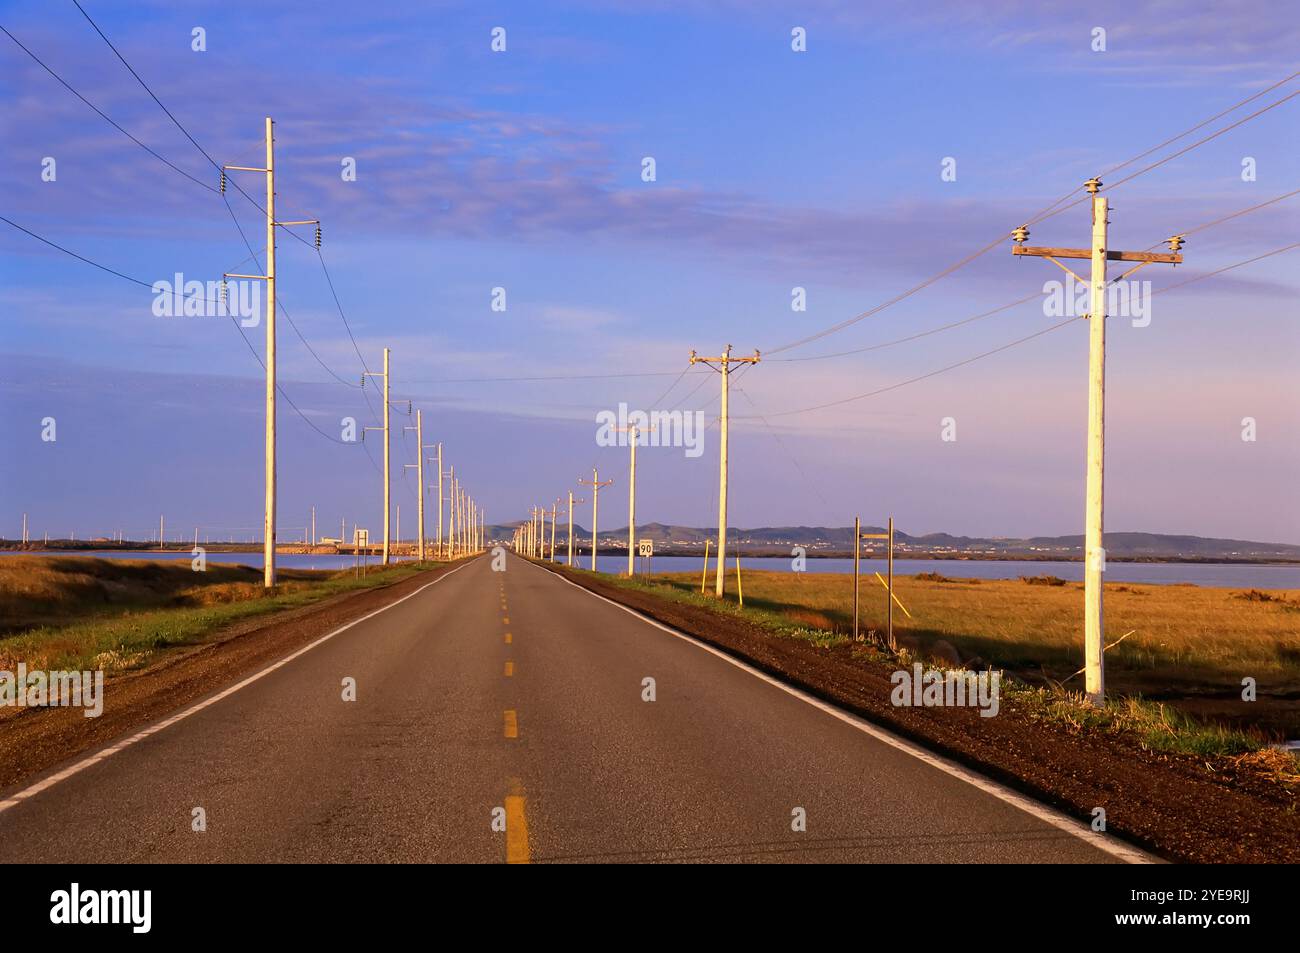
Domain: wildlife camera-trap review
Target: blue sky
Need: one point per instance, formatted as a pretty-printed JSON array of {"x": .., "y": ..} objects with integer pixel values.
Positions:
[{"x": 775, "y": 169}]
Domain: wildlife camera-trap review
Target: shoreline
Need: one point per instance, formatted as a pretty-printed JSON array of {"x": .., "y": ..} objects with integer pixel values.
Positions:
[{"x": 585, "y": 552}]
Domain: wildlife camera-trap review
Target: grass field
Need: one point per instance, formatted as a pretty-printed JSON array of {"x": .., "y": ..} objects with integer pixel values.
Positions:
[
  {"x": 78, "y": 613},
  {"x": 1188, "y": 645}
]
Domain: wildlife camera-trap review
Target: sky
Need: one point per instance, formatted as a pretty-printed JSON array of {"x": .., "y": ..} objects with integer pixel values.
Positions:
[{"x": 828, "y": 169}]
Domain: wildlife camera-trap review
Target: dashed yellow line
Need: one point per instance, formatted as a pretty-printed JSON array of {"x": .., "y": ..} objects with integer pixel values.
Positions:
[
  {"x": 505, "y": 619},
  {"x": 516, "y": 825},
  {"x": 509, "y": 638},
  {"x": 510, "y": 669},
  {"x": 511, "y": 723}
]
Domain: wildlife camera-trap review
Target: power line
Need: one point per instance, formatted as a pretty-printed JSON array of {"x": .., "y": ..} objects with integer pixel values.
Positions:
[
  {"x": 1019, "y": 301},
  {"x": 1015, "y": 343},
  {"x": 213, "y": 162},
  {"x": 1053, "y": 210},
  {"x": 163, "y": 159},
  {"x": 921, "y": 377},
  {"x": 145, "y": 284},
  {"x": 550, "y": 377},
  {"x": 280, "y": 304},
  {"x": 252, "y": 255}
]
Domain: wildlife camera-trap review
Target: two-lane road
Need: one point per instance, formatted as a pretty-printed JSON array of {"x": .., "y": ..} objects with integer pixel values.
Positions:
[{"x": 515, "y": 699}]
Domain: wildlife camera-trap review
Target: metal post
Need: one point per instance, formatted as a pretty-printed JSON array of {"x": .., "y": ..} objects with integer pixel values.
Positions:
[
  {"x": 889, "y": 599},
  {"x": 857, "y": 557},
  {"x": 570, "y": 527},
  {"x": 633, "y": 435}
]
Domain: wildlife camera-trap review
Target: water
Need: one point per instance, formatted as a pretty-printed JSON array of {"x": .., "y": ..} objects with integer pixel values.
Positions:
[
  {"x": 1227, "y": 575},
  {"x": 282, "y": 560}
]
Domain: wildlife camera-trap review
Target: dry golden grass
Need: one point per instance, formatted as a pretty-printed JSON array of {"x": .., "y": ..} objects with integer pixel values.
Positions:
[
  {"x": 1183, "y": 637},
  {"x": 80, "y": 612},
  {"x": 49, "y": 590}
]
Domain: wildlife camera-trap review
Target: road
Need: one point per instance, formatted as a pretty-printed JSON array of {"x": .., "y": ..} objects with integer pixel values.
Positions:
[{"x": 517, "y": 697}]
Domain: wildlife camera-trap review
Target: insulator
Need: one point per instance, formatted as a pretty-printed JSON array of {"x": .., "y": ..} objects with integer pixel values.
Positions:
[
  {"x": 1020, "y": 234},
  {"x": 223, "y": 181},
  {"x": 223, "y": 290},
  {"x": 1176, "y": 242},
  {"x": 318, "y": 236},
  {"x": 1093, "y": 185}
]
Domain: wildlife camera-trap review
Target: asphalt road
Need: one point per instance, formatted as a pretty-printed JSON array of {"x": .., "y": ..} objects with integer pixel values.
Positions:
[{"x": 517, "y": 698}]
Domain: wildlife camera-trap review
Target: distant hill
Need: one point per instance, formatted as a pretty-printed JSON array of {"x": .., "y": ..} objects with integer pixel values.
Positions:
[{"x": 833, "y": 540}]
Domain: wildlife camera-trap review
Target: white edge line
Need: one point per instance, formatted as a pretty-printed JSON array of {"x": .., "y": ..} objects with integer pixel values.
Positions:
[
  {"x": 1042, "y": 812},
  {"x": 105, "y": 753}
]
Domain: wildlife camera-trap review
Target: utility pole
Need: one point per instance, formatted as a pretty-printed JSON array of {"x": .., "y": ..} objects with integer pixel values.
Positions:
[
  {"x": 634, "y": 437},
  {"x": 595, "y": 484},
  {"x": 387, "y": 449},
  {"x": 419, "y": 477},
  {"x": 313, "y": 526},
  {"x": 440, "y": 499},
  {"x": 570, "y": 512},
  {"x": 553, "y": 508},
  {"x": 451, "y": 513},
  {"x": 268, "y": 521},
  {"x": 541, "y": 514},
  {"x": 1094, "y": 634},
  {"x": 161, "y": 543},
  {"x": 724, "y": 367}
]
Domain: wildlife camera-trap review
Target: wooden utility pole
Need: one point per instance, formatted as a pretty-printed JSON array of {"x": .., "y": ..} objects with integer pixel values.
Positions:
[
  {"x": 419, "y": 475},
  {"x": 554, "y": 506},
  {"x": 634, "y": 437},
  {"x": 724, "y": 367},
  {"x": 570, "y": 512},
  {"x": 439, "y": 544},
  {"x": 451, "y": 512},
  {"x": 387, "y": 449},
  {"x": 595, "y": 484},
  {"x": 269, "y": 521},
  {"x": 1094, "y": 553}
]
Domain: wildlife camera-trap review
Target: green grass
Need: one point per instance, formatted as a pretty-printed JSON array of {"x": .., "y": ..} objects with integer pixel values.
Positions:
[{"x": 83, "y": 613}]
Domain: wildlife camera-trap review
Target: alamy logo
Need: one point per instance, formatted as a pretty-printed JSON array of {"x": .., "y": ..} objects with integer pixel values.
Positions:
[
  {"x": 1073, "y": 299},
  {"x": 950, "y": 689},
  {"x": 37, "y": 689},
  {"x": 658, "y": 428},
  {"x": 197, "y": 299},
  {"x": 134, "y": 907}
]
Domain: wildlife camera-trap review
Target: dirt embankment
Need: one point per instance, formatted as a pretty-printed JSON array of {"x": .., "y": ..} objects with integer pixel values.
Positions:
[
  {"x": 1178, "y": 806},
  {"x": 33, "y": 740}
]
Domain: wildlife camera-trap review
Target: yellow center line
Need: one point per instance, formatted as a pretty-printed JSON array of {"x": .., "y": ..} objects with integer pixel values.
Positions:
[
  {"x": 510, "y": 669},
  {"x": 511, "y": 723},
  {"x": 516, "y": 825},
  {"x": 509, "y": 638},
  {"x": 505, "y": 619}
]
